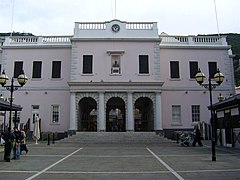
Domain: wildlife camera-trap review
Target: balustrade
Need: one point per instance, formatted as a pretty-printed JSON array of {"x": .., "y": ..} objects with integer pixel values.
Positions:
[
  {"x": 192, "y": 40},
  {"x": 56, "y": 39},
  {"x": 23, "y": 39},
  {"x": 166, "y": 40},
  {"x": 137, "y": 26},
  {"x": 37, "y": 40},
  {"x": 174, "y": 39},
  {"x": 207, "y": 39},
  {"x": 92, "y": 26}
]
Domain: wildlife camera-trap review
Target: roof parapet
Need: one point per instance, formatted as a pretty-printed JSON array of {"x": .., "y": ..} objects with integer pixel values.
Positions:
[
  {"x": 126, "y": 30},
  {"x": 168, "y": 40},
  {"x": 37, "y": 40}
]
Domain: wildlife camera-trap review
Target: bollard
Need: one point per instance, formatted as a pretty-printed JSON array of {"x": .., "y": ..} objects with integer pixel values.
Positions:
[
  {"x": 48, "y": 138},
  {"x": 53, "y": 138}
]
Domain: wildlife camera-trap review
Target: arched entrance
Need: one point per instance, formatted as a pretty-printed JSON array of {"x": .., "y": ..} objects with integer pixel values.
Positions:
[
  {"x": 87, "y": 114},
  {"x": 115, "y": 115},
  {"x": 144, "y": 114}
]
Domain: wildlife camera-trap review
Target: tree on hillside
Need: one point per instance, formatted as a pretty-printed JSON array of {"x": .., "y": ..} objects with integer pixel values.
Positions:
[
  {"x": 234, "y": 41},
  {"x": 16, "y": 34}
]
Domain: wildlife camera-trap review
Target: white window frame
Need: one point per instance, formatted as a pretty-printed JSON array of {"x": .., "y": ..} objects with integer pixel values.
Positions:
[
  {"x": 148, "y": 64},
  {"x": 176, "y": 115},
  {"x": 179, "y": 70},
  {"x": 195, "y": 113},
  {"x": 52, "y": 113},
  {"x": 83, "y": 69},
  {"x": 53, "y": 70}
]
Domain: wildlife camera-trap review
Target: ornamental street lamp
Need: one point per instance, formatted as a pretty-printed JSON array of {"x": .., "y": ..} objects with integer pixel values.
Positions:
[
  {"x": 218, "y": 78},
  {"x": 22, "y": 79}
]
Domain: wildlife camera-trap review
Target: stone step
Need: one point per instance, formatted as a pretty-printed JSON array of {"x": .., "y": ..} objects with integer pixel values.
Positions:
[{"x": 115, "y": 137}]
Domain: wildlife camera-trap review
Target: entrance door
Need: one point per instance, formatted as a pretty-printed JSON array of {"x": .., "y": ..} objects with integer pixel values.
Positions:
[
  {"x": 115, "y": 121},
  {"x": 143, "y": 114},
  {"x": 87, "y": 114},
  {"x": 115, "y": 115}
]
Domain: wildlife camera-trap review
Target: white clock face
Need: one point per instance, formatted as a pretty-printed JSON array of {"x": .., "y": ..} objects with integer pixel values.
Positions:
[{"x": 115, "y": 28}]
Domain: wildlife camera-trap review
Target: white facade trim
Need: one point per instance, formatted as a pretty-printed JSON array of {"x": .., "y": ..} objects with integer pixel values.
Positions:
[
  {"x": 72, "y": 111},
  {"x": 158, "y": 110},
  {"x": 130, "y": 117},
  {"x": 101, "y": 113}
]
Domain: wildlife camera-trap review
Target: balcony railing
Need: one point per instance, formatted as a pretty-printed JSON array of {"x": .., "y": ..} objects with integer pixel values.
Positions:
[
  {"x": 166, "y": 40},
  {"x": 22, "y": 40},
  {"x": 193, "y": 40},
  {"x": 90, "y": 25},
  {"x": 137, "y": 26},
  {"x": 56, "y": 39},
  {"x": 38, "y": 40}
]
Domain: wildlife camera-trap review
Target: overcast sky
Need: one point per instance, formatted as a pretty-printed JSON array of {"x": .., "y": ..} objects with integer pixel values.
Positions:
[{"x": 174, "y": 17}]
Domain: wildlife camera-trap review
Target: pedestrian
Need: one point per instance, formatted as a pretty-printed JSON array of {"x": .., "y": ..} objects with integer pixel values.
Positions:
[
  {"x": 9, "y": 138},
  {"x": 17, "y": 143},
  {"x": 23, "y": 143},
  {"x": 197, "y": 136}
]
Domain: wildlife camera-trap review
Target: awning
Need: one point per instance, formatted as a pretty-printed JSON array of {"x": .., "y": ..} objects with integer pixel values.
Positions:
[
  {"x": 5, "y": 106},
  {"x": 231, "y": 101}
]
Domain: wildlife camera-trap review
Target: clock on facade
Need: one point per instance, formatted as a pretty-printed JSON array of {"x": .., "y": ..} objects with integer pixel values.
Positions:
[{"x": 115, "y": 28}]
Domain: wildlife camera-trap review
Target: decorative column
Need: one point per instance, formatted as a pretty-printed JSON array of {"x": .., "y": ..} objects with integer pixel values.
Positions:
[
  {"x": 72, "y": 127},
  {"x": 158, "y": 111},
  {"x": 101, "y": 118},
  {"x": 130, "y": 119}
]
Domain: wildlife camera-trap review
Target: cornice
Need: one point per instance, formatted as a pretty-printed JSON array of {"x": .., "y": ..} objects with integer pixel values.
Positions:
[
  {"x": 117, "y": 39},
  {"x": 37, "y": 46},
  {"x": 115, "y": 86},
  {"x": 162, "y": 46}
]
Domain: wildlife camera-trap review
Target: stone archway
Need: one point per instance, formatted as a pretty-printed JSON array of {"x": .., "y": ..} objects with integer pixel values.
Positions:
[
  {"x": 87, "y": 114},
  {"x": 115, "y": 115},
  {"x": 144, "y": 114}
]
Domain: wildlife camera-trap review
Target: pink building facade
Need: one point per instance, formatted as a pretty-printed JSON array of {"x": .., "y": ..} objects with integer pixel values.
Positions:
[{"x": 116, "y": 76}]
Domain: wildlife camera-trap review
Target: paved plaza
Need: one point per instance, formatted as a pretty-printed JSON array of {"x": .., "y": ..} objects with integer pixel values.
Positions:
[{"x": 167, "y": 160}]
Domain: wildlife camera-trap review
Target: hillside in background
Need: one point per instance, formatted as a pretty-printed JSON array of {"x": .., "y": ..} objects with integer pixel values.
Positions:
[
  {"x": 234, "y": 41},
  {"x": 16, "y": 34}
]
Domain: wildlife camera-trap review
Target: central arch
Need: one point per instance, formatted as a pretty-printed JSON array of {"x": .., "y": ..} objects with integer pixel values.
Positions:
[{"x": 115, "y": 115}]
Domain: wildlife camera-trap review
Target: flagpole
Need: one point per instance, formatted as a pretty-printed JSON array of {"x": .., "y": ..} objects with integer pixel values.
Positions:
[
  {"x": 216, "y": 17},
  {"x": 12, "y": 19},
  {"x": 115, "y": 9}
]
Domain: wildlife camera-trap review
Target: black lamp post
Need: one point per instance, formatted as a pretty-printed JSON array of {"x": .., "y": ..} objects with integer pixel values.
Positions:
[
  {"x": 218, "y": 78},
  {"x": 22, "y": 79}
]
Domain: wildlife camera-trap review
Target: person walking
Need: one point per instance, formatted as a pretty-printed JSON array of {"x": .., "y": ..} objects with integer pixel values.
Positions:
[
  {"x": 23, "y": 143},
  {"x": 9, "y": 139},
  {"x": 197, "y": 136},
  {"x": 17, "y": 144}
]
